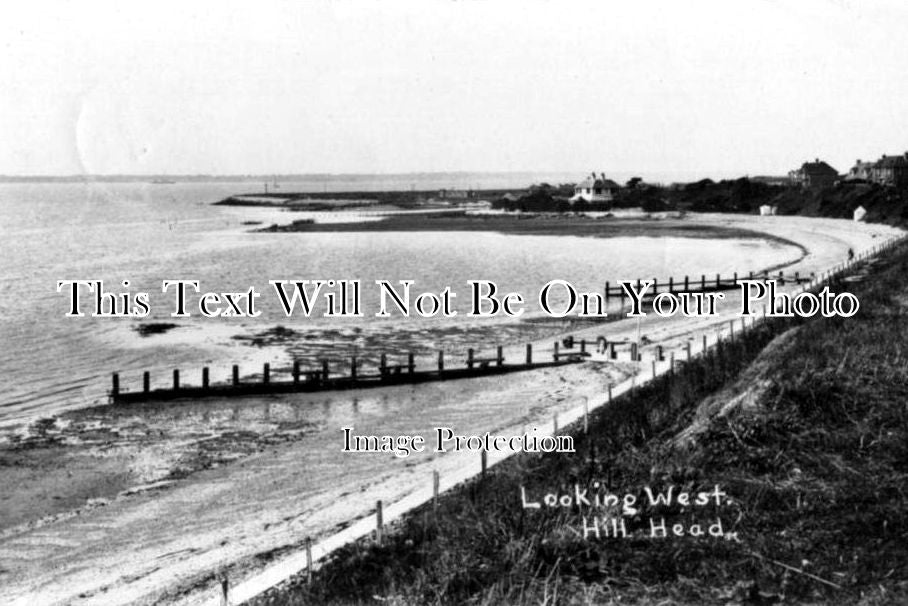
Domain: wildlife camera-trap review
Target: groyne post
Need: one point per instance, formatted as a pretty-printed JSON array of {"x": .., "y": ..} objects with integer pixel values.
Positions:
[
  {"x": 735, "y": 279},
  {"x": 634, "y": 352},
  {"x": 659, "y": 354},
  {"x": 236, "y": 375},
  {"x": 586, "y": 414},
  {"x": 702, "y": 281},
  {"x": 718, "y": 281},
  {"x": 176, "y": 379},
  {"x": 483, "y": 461},
  {"x": 441, "y": 361},
  {"x": 704, "y": 344},
  {"x": 383, "y": 365},
  {"x": 555, "y": 423},
  {"x": 296, "y": 372},
  {"x": 353, "y": 368},
  {"x": 225, "y": 590},
  {"x": 266, "y": 373},
  {"x": 205, "y": 378},
  {"x": 146, "y": 381},
  {"x": 608, "y": 291},
  {"x": 555, "y": 355},
  {"x": 671, "y": 285},
  {"x": 687, "y": 347},
  {"x": 411, "y": 363},
  {"x": 324, "y": 370},
  {"x": 582, "y": 345},
  {"x": 115, "y": 388},
  {"x": 529, "y": 353},
  {"x": 470, "y": 358},
  {"x": 685, "y": 283},
  {"x": 499, "y": 357}
]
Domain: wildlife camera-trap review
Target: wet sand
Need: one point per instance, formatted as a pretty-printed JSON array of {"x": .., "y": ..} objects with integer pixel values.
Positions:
[{"x": 146, "y": 503}]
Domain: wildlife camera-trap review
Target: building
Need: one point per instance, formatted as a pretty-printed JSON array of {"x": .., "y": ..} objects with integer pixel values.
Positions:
[
  {"x": 891, "y": 170},
  {"x": 860, "y": 213},
  {"x": 861, "y": 171},
  {"x": 595, "y": 189},
  {"x": 814, "y": 175},
  {"x": 768, "y": 209}
]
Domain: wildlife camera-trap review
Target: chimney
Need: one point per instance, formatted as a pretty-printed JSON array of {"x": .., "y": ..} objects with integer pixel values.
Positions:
[{"x": 602, "y": 175}]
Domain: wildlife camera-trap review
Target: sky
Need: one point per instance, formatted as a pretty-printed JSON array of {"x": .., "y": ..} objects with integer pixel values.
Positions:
[{"x": 716, "y": 88}]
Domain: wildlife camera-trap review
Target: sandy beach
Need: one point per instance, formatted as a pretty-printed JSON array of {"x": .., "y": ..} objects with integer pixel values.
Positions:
[{"x": 146, "y": 504}]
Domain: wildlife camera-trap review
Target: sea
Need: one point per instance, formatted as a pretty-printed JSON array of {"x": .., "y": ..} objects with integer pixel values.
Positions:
[{"x": 134, "y": 236}]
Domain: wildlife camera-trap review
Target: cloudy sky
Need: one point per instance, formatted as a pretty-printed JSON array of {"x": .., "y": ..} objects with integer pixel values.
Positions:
[{"x": 719, "y": 88}]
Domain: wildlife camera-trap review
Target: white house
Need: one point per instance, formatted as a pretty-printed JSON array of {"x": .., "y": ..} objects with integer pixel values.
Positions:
[
  {"x": 767, "y": 209},
  {"x": 595, "y": 189},
  {"x": 859, "y": 213}
]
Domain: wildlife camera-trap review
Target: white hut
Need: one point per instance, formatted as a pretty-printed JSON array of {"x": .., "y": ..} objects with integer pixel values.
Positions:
[
  {"x": 859, "y": 213},
  {"x": 767, "y": 210},
  {"x": 595, "y": 189}
]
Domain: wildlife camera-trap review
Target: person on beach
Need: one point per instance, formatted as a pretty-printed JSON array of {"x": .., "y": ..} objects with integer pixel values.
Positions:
[{"x": 850, "y": 254}]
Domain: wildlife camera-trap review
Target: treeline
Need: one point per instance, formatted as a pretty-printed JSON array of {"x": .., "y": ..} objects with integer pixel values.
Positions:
[{"x": 883, "y": 204}]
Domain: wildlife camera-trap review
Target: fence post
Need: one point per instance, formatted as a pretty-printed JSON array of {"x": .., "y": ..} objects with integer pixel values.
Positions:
[
  {"x": 308, "y": 560},
  {"x": 379, "y": 523}
]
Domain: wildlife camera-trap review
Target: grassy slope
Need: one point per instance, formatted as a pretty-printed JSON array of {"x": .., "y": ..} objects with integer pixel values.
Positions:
[{"x": 816, "y": 464}]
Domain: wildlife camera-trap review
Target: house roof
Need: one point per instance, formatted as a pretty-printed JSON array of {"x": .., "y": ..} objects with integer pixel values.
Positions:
[
  {"x": 892, "y": 162},
  {"x": 603, "y": 183},
  {"x": 818, "y": 168}
]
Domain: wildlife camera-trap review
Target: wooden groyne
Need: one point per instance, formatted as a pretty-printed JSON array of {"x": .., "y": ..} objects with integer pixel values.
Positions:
[
  {"x": 323, "y": 379},
  {"x": 705, "y": 283}
]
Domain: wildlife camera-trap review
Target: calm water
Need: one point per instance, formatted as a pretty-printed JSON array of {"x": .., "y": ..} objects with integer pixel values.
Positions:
[{"x": 146, "y": 233}]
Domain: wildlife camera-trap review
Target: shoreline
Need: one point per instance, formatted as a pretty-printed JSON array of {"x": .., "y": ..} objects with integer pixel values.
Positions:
[{"x": 224, "y": 470}]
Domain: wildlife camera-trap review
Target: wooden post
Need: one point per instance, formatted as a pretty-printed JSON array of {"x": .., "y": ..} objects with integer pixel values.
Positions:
[
  {"x": 411, "y": 363},
  {"x": 555, "y": 355},
  {"x": 718, "y": 281},
  {"x": 608, "y": 292},
  {"x": 555, "y": 422},
  {"x": 742, "y": 324},
  {"x": 296, "y": 371},
  {"x": 236, "y": 375},
  {"x": 671, "y": 363},
  {"x": 441, "y": 361},
  {"x": 735, "y": 280},
  {"x": 225, "y": 590},
  {"x": 611, "y": 350},
  {"x": 353, "y": 368},
  {"x": 702, "y": 281},
  {"x": 671, "y": 285},
  {"x": 470, "y": 358},
  {"x": 655, "y": 286},
  {"x": 582, "y": 345},
  {"x": 436, "y": 482},
  {"x": 529, "y": 353},
  {"x": 499, "y": 356},
  {"x": 659, "y": 355},
  {"x": 654, "y": 368},
  {"x": 176, "y": 379},
  {"x": 146, "y": 381},
  {"x": 379, "y": 522},
  {"x": 383, "y": 365},
  {"x": 687, "y": 347},
  {"x": 731, "y": 330},
  {"x": 266, "y": 373},
  {"x": 704, "y": 343},
  {"x": 205, "y": 378},
  {"x": 586, "y": 414},
  {"x": 483, "y": 461},
  {"x": 115, "y": 388},
  {"x": 308, "y": 560},
  {"x": 634, "y": 352},
  {"x": 324, "y": 370},
  {"x": 609, "y": 392},
  {"x": 685, "y": 284}
]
